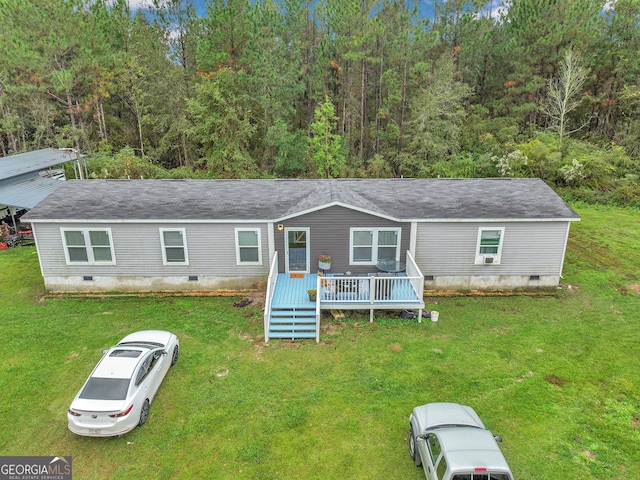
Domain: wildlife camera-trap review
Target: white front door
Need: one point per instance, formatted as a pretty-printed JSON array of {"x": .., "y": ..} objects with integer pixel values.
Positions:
[{"x": 297, "y": 250}]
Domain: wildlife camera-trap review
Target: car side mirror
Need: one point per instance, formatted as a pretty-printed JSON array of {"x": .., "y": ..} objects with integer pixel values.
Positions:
[
  {"x": 104, "y": 352},
  {"x": 498, "y": 438},
  {"x": 164, "y": 352}
]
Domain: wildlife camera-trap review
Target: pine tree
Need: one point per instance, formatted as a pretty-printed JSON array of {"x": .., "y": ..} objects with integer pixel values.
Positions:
[{"x": 326, "y": 150}]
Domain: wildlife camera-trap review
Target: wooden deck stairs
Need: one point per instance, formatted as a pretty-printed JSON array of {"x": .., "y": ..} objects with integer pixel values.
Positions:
[
  {"x": 296, "y": 322},
  {"x": 291, "y": 314}
]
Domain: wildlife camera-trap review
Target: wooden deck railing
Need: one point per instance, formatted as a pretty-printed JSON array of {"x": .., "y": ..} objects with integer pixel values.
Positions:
[
  {"x": 271, "y": 287},
  {"x": 369, "y": 289},
  {"x": 414, "y": 272},
  {"x": 378, "y": 288},
  {"x": 318, "y": 312}
]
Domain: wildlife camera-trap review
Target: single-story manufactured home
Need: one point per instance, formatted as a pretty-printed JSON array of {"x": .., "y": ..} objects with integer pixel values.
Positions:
[{"x": 388, "y": 239}]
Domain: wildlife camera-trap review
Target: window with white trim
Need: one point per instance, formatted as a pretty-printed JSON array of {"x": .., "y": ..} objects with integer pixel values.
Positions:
[
  {"x": 489, "y": 247},
  {"x": 174, "y": 246},
  {"x": 369, "y": 246},
  {"x": 89, "y": 246},
  {"x": 248, "y": 251}
]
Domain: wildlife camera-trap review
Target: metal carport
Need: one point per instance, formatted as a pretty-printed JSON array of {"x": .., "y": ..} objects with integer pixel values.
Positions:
[{"x": 22, "y": 186}]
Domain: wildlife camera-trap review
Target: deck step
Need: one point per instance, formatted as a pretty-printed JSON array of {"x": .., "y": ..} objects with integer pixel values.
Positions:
[
  {"x": 293, "y": 321},
  {"x": 294, "y": 306},
  {"x": 293, "y": 313},
  {"x": 292, "y": 335},
  {"x": 293, "y": 328}
]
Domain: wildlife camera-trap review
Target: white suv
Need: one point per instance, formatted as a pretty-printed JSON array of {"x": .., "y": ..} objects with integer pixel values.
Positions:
[{"x": 451, "y": 443}]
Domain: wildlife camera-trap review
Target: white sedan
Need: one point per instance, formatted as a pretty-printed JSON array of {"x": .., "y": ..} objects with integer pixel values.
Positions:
[{"x": 117, "y": 395}]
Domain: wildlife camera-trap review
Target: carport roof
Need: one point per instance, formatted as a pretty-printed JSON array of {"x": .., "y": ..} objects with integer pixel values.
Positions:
[
  {"x": 21, "y": 163},
  {"x": 275, "y": 200}
]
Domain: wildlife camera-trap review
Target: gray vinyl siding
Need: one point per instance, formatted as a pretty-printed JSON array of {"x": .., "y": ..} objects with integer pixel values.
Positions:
[
  {"x": 330, "y": 230},
  {"x": 529, "y": 248},
  {"x": 138, "y": 251}
]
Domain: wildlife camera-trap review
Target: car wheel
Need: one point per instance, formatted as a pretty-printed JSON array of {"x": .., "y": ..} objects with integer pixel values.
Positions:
[
  {"x": 174, "y": 357},
  {"x": 144, "y": 413},
  {"x": 412, "y": 448}
]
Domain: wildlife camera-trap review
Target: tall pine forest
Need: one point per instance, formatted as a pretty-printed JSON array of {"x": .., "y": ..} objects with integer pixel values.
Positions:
[{"x": 331, "y": 88}]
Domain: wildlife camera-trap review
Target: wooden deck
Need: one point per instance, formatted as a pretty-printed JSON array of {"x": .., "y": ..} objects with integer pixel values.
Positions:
[
  {"x": 290, "y": 314},
  {"x": 347, "y": 292},
  {"x": 292, "y": 292}
]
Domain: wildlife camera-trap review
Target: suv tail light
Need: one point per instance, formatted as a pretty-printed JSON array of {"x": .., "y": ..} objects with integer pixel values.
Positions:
[{"x": 122, "y": 414}]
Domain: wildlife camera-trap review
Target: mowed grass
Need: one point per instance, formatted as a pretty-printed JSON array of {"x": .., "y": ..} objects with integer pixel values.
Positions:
[{"x": 556, "y": 375}]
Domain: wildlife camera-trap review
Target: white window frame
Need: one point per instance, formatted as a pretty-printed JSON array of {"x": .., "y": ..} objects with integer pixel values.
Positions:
[
  {"x": 258, "y": 231},
  {"x": 374, "y": 247},
  {"x": 183, "y": 231},
  {"x": 88, "y": 246},
  {"x": 489, "y": 258}
]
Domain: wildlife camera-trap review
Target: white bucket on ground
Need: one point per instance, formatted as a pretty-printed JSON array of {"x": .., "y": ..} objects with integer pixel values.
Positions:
[{"x": 434, "y": 316}]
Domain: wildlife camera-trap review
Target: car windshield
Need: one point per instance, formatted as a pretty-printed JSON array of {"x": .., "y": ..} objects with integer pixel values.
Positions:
[{"x": 105, "y": 388}]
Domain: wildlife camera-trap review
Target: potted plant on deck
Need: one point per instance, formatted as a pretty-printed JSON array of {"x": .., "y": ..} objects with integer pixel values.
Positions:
[
  {"x": 312, "y": 294},
  {"x": 324, "y": 261}
]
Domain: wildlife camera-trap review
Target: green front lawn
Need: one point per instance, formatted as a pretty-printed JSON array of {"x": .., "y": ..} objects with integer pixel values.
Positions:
[{"x": 557, "y": 376}]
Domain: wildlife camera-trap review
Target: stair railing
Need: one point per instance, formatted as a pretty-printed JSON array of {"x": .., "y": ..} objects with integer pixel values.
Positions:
[
  {"x": 318, "y": 311},
  {"x": 271, "y": 287}
]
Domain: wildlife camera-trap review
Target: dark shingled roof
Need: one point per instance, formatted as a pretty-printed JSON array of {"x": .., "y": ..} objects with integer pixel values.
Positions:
[{"x": 245, "y": 200}]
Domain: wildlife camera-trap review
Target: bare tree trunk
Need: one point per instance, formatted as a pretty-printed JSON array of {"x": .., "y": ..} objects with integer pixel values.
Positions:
[
  {"x": 11, "y": 138},
  {"x": 102, "y": 125},
  {"x": 363, "y": 104},
  {"x": 310, "y": 32},
  {"x": 185, "y": 151},
  {"x": 376, "y": 141},
  {"x": 403, "y": 104},
  {"x": 22, "y": 134},
  {"x": 185, "y": 67},
  {"x": 563, "y": 94},
  {"x": 81, "y": 126},
  {"x": 139, "y": 129},
  {"x": 72, "y": 117},
  {"x": 103, "y": 120}
]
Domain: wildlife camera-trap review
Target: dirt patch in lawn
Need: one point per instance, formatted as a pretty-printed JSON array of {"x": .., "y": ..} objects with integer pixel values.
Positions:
[
  {"x": 252, "y": 299},
  {"x": 554, "y": 380}
]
